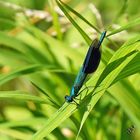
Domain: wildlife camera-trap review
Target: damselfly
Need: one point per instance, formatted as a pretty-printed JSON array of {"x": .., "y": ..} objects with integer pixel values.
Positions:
[{"x": 89, "y": 66}]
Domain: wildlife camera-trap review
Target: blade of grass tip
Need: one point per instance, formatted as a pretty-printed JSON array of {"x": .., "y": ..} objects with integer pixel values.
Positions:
[
  {"x": 85, "y": 36},
  {"x": 127, "y": 26},
  {"x": 107, "y": 81},
  {"x": 49, "y": 98},
  {"x": 80, "y": 16}
]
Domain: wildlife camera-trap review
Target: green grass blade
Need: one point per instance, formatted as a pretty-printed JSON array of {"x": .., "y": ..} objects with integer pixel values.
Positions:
[
  {"x": 130, "y": 24},
  {"x": 80, "y": 16},
  {"x": 22, "y": 96},
  {"x": 46, "y": 94},
  {"x": 34, "y": 59},
  {"x": 128, "y": 99},
  {"x": 55, "y": 45},
  {"x": 6, "y": 24},
  {"x": 14, "y": 56},
  {"x": 27, "y": 122},
  {"x": 12, "y": 42},
  {"x": 85, "y": 36},
  {"x": 15, "y": 134},
  {"x": 27, "y": 50},
  {"x": 63, "y": 113},
  {"x": 132, "y": 68},
  {"x": 20, "y": 72}
]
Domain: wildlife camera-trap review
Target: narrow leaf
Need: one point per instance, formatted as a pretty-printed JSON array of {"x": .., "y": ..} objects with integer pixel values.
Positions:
[
  {"x": 21, "y": 95},
  {"x": 85, "y": 36},
  {"x": 130, "y": 24}
]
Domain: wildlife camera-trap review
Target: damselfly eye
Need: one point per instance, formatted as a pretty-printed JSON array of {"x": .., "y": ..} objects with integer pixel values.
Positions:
[{"x": 66, "y": 96}]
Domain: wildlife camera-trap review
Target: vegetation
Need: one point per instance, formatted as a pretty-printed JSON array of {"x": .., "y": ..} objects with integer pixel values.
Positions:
[{"x": 42, "y": 46}]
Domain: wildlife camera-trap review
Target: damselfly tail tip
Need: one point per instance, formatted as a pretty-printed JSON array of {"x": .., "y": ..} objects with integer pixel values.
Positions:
[
  {"x": 97, "y": 43},
  {"x": 102, "y": 38},
  {"x": 103, "y": 34}
]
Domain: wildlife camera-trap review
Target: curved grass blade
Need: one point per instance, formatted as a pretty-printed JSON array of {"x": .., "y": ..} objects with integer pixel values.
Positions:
[
  {"x": 64, "y": 112},
  {"x": 130, "y": 24},
  {"x": 85, "y": 36},
  {"x": 22, "y": 96},
  {"x": 26, "y": 50},
  {"x": 28, "y": 122},
  {"x": 24, "y": 71},
  {"x": 6, "y": 24},
  {"x": 43, "y": 91},
  {"x": 132, "y": 68},
  {"x": 80, "y": 16},
  {"x": 12, "y": 42},
  {"x": 128, "y": 98},
  {"x": 15, "y": 134},
  {"x": 55, "y": 45},
  {"x": 14, "y": 55}
]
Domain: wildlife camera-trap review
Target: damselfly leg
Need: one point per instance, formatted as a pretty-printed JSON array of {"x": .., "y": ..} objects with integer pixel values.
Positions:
[{"x": 87, "y": 90}]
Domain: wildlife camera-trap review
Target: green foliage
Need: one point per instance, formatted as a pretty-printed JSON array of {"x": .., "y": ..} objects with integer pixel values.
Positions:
[{"x": 41, "y": 50}]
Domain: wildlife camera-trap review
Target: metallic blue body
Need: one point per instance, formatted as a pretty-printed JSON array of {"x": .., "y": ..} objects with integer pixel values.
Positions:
[
  {"x": 78, "y": 83},
  {"x": 90, "y": 65}
]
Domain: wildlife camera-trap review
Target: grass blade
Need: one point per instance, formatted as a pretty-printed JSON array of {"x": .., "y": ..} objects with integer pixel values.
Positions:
[
  {"x": 20, "y": 72},
  {"x": 21, "y": 95},
  {"x": 80, "y": 16},
  {"x": 130, "y": 24},
  {"x": 85, "y": 36}
]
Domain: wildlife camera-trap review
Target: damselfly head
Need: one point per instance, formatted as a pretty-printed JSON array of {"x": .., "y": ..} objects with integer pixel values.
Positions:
[{"x": 68, "y": 98}]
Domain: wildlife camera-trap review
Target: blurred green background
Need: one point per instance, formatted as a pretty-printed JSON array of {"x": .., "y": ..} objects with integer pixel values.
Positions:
[{"x": 42, "y": 46}]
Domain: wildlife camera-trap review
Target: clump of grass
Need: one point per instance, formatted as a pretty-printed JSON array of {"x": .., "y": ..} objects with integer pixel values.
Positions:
[{"x": 39, "y": 64}]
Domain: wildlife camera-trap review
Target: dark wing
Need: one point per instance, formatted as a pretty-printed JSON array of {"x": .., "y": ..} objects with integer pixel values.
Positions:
[
  {"x": 93, "y": 56},
  {"x": 92, "y": 59}
]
